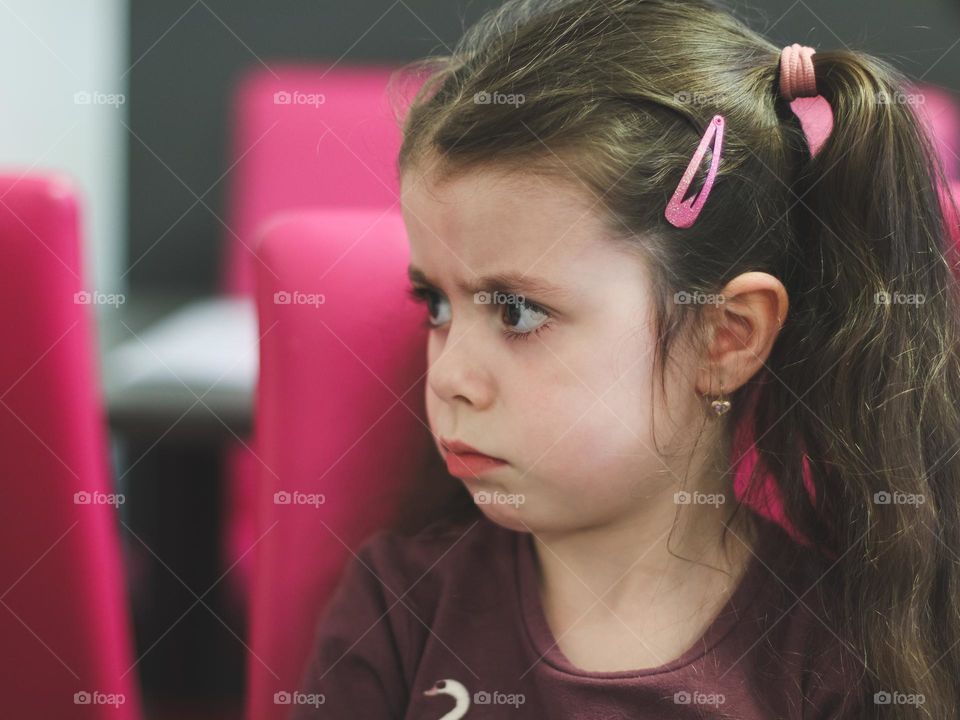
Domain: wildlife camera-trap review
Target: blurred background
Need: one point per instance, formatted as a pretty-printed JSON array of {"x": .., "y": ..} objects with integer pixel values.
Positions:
[{"x": 180, "y": 126}]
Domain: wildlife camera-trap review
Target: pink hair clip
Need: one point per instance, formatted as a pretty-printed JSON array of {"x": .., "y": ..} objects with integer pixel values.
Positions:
[{"x": 683, "y": 213}]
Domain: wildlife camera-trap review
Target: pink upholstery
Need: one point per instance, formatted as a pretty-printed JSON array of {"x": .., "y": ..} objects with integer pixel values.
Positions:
[
  {"x": 953, "y": 221},
  {"x": 940, "y": 111},
  {"x": 64, "y": 622},
  {"x": 306, "y": 136},
  {"x": 333, "y": 144},
  {"x": 339, "y": 412}
]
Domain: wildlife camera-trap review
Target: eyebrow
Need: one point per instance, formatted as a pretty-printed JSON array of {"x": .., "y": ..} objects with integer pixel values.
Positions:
[{"x": 505, "y": 282}]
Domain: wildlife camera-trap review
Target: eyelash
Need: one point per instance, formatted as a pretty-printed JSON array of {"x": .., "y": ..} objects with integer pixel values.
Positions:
[{"x": 422, "y": 295}]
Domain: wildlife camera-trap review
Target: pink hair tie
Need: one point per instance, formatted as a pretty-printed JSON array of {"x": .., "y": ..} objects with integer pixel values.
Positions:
[{"x": 797, "y": 76}]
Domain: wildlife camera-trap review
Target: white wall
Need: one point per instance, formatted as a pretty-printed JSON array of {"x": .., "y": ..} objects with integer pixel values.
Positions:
[{"x": 51, "y": 50}]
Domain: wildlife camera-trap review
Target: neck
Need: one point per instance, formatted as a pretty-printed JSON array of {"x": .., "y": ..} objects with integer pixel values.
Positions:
[{"x": 653, "y": 554}]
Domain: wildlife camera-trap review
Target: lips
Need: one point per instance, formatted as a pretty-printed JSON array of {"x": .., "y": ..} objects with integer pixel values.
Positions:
[
  {"x": 466, "y": 462},
  {"x": 461, "y": 448}
]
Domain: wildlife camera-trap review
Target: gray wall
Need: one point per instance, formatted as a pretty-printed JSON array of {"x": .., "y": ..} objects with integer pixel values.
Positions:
[
  {"x": 56, "y": 50},
  {"x": 186, "y": 55}
]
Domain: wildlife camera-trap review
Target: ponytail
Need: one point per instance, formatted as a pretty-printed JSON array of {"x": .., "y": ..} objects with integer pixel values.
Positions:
[{"x": 869, "y": 385}]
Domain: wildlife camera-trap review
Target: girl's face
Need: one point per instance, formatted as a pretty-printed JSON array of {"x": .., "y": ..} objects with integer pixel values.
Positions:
[{"x": 559, "y": 386}]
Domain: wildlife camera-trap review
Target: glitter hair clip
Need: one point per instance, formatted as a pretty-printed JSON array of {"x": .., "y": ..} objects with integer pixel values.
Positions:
[{"x": 681, "y": 212}]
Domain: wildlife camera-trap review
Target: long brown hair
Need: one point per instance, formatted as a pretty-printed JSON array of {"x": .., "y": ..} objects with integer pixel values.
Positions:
[{"x": 861, "y": 387}]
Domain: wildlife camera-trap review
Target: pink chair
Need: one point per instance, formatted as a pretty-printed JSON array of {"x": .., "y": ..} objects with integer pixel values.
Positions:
[
  {"x": 339, "y": 414},
  {"x": 64, "y": 620},
  {"x": 941, "y": 113},
  {"x": 303, "y": 136},
  {"x": 953, "y": 221},
  {"x": 306, "y": 136}
]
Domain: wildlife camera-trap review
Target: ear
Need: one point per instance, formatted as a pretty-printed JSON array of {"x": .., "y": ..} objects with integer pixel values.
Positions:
[{"x": 743, "y": 326}]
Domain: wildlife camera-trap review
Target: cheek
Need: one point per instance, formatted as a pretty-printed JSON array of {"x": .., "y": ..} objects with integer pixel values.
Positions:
[
  {"x": 590, "y": 416},
  {"x": 432, "y": 402}
]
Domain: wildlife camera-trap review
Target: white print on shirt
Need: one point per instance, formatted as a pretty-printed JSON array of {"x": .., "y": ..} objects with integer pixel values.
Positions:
[{"x": 457, "y": 691}]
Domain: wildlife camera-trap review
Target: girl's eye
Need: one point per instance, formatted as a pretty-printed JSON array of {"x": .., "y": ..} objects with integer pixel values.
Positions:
[
  {"x": 435, "y": 304},
  {"x": 525, "y": 318},
  {"x": 522, "y": 318}
]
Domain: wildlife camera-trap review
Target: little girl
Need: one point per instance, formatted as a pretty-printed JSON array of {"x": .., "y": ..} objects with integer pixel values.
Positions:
[{"x": 642, "y": 285}]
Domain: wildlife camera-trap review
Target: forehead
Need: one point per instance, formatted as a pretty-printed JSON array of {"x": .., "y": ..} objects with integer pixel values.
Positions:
[{"x": 488, "y": 219}]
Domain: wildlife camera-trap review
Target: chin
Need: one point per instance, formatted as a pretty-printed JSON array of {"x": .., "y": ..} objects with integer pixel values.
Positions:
[{"x": 507, "y": 516}]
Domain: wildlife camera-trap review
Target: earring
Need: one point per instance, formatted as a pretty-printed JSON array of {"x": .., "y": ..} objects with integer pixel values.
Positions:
[{"x": 720, "y": 406}]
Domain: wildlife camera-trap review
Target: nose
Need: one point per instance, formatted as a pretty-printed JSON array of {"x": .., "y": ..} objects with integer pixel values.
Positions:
[{"x": 459, "y": 371}]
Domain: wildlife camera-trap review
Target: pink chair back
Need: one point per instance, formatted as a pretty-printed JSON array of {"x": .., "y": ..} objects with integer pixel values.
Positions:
[
  {"x": 318, "y": 135},
  {"x": 64, "y": 624},
  {"x": 306, "y": 136},
  {"x": 339, "y": 417},
  {"x": 940, "y": 111},
  {"x": 953, "y": 221}
]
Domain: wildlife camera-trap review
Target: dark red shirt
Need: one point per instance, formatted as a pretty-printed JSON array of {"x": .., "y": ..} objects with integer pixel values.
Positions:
[{"x": 460, "y": 606}]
